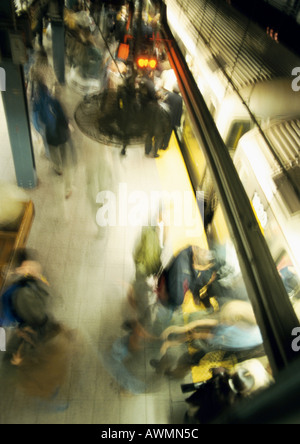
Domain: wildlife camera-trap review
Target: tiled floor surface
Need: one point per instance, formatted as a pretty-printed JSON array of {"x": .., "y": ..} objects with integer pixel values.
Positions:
[{"x": 89, "y": 273}]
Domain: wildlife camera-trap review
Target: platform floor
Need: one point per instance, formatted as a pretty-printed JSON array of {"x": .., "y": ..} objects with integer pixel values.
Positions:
[{"x": 89, "y": 273}]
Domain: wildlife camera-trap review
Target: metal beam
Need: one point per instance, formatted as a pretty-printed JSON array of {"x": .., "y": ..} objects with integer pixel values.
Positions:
[
  {"x": 18, "y": 124},
  {"x": 14, "y": 97}
]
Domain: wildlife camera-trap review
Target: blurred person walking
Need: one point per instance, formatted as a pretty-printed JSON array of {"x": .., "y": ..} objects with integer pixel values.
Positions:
[
  {"x": 58, "y": 134},
  {"x": 41, "y": 79},
  {"x": 26, "y": 301},
  {"x": 39, "y": 349},
  {"x": 175, "y": 103},
  {"x": 41, "y": 357},
  {"x": 157, "y": 120},
  {"x": 39, "y": 15}
]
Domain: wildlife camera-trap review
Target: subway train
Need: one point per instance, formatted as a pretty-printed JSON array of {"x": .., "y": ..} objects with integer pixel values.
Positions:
[
  {"x": 274, "y": 199},
  {"x": 256, "y": 108},
  {"x": 267, "y": 160}
]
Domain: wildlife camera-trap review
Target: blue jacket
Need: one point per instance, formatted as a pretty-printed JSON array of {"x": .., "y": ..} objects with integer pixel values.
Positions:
[{"x": 54, "y": 119}]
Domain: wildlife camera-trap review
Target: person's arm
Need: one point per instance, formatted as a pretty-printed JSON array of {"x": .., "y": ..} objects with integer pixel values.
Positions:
[
  {"x": 203, "y": 323},
  {"x": 26, "y": 335},
  {"x": 17, "y": 359}
]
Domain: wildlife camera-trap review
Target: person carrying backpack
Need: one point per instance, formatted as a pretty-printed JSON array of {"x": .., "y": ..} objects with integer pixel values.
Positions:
[
  {"x": 42, "y": 79},
  {"x": 26, "y": 301},
  {"x": 57, "y": 131}
]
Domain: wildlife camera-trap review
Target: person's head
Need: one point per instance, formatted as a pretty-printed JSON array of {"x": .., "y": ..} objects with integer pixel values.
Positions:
[
  {"x": 30, "y": 268},
  {"x": 22, "y": 255},
  {"x": 242, "y": 381},
  {"x": 176, "y": 89},
  {"x": 201, "y": 257}
]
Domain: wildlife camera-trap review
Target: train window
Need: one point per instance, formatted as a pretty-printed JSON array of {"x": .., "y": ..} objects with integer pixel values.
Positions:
[
  {"x": 237, "y": 339},
  {"x": 290, "y": 279},
  {"x": 289, "y": 276},
  {"x": 282, "y": 240},
  {"x": 237, "y": 130},
  {"x": 212, "y": 108},
  {"x": 286, "y": 190}
]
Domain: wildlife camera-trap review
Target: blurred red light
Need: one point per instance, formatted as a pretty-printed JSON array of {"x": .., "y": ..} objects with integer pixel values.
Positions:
[{"x": 144, "y": 62}]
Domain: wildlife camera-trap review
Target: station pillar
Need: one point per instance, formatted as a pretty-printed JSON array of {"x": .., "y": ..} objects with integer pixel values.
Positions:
[
  {"x": 13, "y": 55},
  {"x": 56, "y": 14},
  {"x": 18, "y": 124}
]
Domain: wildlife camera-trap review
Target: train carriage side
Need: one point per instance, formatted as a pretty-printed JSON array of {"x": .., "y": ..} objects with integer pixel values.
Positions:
[{"x": 273, "y": 198}]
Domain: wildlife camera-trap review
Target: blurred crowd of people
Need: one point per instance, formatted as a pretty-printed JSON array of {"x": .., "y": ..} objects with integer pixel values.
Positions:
[
  {"x": 222, "y": 317},
  {"x": 103, "y": 53},
  {"x": 93, "y": 37}
]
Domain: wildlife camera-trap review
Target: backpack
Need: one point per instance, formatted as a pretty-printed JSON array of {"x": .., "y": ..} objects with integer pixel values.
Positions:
[
  {"x": 147, "y": 253},
  {"x": 46, "y": 113},
  {"x": 8, "y": 315},
  {"x": 54, "y": 119},
  {"x": 24, "y": 302},
  {"x": 38, "y": 98}
]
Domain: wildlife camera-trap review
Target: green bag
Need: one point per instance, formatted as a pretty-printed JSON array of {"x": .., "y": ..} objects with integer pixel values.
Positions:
[{"x": 147, "y": 253}]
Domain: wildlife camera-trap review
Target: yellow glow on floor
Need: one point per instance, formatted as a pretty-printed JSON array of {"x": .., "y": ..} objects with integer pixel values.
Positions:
[{"x": 174, "y": 177}]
